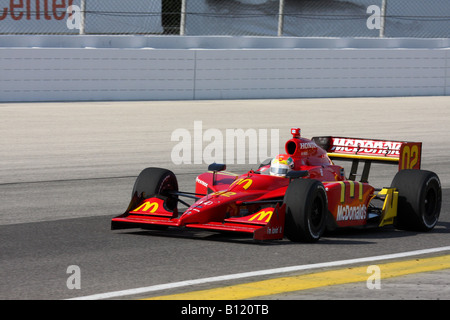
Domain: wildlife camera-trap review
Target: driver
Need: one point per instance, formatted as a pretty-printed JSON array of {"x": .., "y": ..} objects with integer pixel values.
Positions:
[{"x": 281, "y": 165}]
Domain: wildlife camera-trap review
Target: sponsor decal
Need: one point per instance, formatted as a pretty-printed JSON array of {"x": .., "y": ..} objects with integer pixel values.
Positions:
[
  {"x": 245, "y": 183},
  {"x": 35, "y": 10},
  {"x": 261, "y": 215},
  {"x": 147, "y": 207},
  {"x": 351, "y": 213},
  {"x": 275, "y": 230},
  {"x": 223, "y": 193},
  {"x": 203, "y": 183},
  {"x": 308, "y": 145},
  {"x": 367, "y": 147}
]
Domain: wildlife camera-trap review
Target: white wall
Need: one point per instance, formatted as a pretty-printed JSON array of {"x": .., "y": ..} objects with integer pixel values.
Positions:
[
  {"x": 233, "y": 74},
  {"x": 95, "y": 74},
  {"x": 77, "y": 74}
]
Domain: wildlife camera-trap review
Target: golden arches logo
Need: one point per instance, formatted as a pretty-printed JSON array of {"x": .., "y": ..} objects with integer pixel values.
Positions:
[
  {"x": 147, "y": 206},
  {"x": 246, "y": 183},
  {"x": 261, "y": 215}
]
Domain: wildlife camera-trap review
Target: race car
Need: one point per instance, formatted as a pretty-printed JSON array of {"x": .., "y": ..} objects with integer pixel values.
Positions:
[{"x": 296, "y": 195}]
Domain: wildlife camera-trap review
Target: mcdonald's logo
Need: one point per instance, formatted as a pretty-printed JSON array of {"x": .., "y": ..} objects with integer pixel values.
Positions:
[
  {"x": 246, "y": 183},
  {"x": 261, "y": 215},
  {"x": 147, "y": 206}
]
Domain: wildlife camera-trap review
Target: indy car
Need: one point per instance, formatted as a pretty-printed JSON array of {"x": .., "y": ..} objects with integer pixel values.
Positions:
[{"x": 297, "y": 195}]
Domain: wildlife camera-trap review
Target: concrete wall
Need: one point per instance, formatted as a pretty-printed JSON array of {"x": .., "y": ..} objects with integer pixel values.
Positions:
[{"x": 148, "y": 73}]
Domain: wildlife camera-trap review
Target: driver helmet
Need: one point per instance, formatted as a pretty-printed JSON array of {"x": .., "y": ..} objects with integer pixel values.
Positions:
[{"x": 281, "y": 165}]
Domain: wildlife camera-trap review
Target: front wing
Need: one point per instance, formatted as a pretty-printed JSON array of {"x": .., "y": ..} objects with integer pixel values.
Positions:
[{"x": 266, "y": 224}]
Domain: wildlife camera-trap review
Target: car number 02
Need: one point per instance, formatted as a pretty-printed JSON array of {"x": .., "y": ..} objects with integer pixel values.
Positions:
[{"x": 410, "y": 157}]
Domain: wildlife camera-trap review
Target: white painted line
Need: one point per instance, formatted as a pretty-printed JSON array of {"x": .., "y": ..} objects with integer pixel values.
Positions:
[{"x": 167, "y": 286}]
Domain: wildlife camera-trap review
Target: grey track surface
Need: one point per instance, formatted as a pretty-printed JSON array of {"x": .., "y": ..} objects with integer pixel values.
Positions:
[{"x": 67, "y": 168}]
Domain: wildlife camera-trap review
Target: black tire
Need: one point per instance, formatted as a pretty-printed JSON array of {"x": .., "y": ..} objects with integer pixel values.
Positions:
[
  {"x": 155, "y": 182},
  {"x": 419, "y": 200},
  {"x": 306, "y": 210}
]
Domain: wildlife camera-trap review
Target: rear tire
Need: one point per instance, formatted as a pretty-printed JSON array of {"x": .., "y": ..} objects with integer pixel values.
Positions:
[
  {"x": 306, "y": 210},
  {"x": 419, "y": 200},
  {"x": 155, "y": 182}
]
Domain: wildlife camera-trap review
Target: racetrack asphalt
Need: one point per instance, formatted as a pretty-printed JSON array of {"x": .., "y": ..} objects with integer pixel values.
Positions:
[{"x": 67, "y": 168}]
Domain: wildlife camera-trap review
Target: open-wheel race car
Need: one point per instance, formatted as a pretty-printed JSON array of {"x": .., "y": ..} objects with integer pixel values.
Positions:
[{"x": 297, "y": 195}]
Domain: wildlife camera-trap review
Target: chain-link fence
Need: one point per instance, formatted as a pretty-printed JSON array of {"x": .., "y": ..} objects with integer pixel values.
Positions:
[{"x": 294, "y": 18}]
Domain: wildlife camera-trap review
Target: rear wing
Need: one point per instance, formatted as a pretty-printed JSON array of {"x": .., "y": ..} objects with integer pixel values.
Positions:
[{"x": 406, "y": 155}]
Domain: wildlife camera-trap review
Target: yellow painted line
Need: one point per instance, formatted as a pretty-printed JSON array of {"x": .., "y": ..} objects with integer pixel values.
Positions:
[{"x": 312, "y": 280}]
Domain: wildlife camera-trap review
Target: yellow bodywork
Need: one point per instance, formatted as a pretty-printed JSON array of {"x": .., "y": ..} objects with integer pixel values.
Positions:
[{"x": 389, "y": 211}]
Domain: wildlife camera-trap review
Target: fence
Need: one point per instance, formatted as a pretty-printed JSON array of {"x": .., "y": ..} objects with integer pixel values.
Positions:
[{"x": 292, "y": 18}]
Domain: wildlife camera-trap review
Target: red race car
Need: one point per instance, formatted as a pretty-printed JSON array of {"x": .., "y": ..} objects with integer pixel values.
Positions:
[{"x": 297, "y": 195}]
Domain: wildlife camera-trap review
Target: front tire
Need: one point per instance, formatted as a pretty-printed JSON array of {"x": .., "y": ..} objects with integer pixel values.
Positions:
[
  {"x": 306, "y": 210},
  {"x": 155, "y": 182},
  {"x": 419, "y": 200}
]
